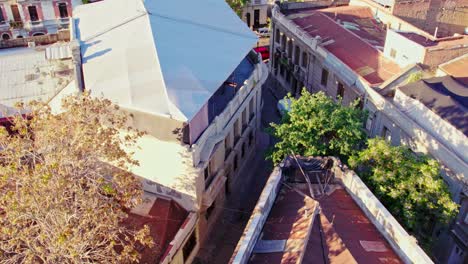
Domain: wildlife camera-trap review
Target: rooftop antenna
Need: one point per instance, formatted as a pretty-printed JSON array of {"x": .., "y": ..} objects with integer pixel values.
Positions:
[{"x": 305, "y": 176}]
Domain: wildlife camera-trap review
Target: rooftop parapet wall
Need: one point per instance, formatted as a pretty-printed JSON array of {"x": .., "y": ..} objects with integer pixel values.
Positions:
[
  {"x": 260, "y": 214},
  {"x": 404, "y": 244}
]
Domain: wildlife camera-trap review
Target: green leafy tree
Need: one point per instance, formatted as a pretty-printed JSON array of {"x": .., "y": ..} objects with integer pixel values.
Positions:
[
  {"x": 317, "y": 126},
  {"x": 237, "y": 5},
  {"x": 60, "y": 199},
  {"x": 409, "y": 186}
]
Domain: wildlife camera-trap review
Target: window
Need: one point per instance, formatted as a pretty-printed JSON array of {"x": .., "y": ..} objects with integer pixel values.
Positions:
[
  {"x": 392, "y": 53},
  {"x": 207, "y": 173},
  {"x": 340, "y": 91},
  {"x": 227, "y": 146},
  {"x": 33, "y": 13},
  {"x": 209, "y": 211},
  {"x": 63, "y": 10},
  {"x": 244, "y": 119},
  {"x": 304, "y": 59},
  {"x": 189, "y": 245},
  {"x": 5, "y": 36},
  {"x": 243, "y": 150},
  {"x": 236, "y": 163},
  {"x": 251, "y": 138},
  {"x": 297, "y": 54},
  {"x": 252, "y": 107},
  {"x": 236, "y": 130},
  {"x": 386, "y": 134},
  {"x": 2, "y": 19},
  {"x": 283, "y": 41},
  {"x": 369, "y": 122},
  {"x": 290, "y": 48},
  {"x": 277, "y": 36},
  {"x": 324, "y": 79},
  {"x": 360, "y": 104}
]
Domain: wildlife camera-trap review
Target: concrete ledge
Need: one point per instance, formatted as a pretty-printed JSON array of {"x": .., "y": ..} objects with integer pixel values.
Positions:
[{"x": 404, "y": 244}]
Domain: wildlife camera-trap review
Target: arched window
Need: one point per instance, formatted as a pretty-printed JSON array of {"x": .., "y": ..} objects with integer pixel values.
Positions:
[
  {"x": 62, "y": 7},
  {"x": 38, "y": 34},
  {"x": 5, "y": 36}
]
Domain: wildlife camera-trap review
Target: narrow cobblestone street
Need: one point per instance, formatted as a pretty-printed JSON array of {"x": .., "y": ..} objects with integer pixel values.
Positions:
[{"x": 240, "y": 203}]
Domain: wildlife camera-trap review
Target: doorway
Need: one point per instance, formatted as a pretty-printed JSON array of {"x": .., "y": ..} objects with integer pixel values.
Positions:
[
  {"x": 256, "y": 18},
  {"x": 15, "y": 12}
]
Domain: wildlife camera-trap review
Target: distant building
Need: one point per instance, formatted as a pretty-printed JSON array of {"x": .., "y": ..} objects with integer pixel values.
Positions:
[
  {"x": 255, "y": 13},
  {"x": 189, "y": 78},
  {"x": 447, "y": 17},
  {"x": 19, "y": 19},
  {"x": 341, "y": 221}
]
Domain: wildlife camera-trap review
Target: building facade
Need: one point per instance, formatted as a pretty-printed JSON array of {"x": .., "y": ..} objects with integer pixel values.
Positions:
[
  {"x": 442, "y": 16},
  {"x": 19, "y": 19},
  {"x": 201, "y": 112},
  {"x": 329, "y": 50},
  {"x": 256, "y": 13}
]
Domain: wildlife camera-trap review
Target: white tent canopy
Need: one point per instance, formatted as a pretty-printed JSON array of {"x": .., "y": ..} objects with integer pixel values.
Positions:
[{"x": 165, "y": 57}]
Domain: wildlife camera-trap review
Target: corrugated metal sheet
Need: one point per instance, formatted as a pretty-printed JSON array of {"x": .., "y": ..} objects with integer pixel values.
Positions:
[{"x": 58, "y": 51}]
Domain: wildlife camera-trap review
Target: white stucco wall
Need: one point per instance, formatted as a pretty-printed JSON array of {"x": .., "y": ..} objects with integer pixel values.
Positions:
[
  {"x": 434, "y": 124},
  {"x": 407, "y": 51}
]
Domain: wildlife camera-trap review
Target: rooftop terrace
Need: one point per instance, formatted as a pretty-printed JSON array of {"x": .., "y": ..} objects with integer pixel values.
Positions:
[{"x": 289, "y": 226}]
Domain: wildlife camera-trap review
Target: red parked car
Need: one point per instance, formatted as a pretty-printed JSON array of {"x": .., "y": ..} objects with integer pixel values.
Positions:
[{"x": 264, "y": 51}]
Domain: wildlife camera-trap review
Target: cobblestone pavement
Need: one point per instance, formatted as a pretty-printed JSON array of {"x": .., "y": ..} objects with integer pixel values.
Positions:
[{"x": 240, "y": 203}]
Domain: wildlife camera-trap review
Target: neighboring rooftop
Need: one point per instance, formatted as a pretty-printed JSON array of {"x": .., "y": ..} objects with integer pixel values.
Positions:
[
  {"x": 426, "y": 42},
  {"x": 445, "y": 96},
  {"x": 347, "y": 45},
  {"x": 158, "y": 58},
  {"x": 26, "y": 74},
  {"x": 457, "y": 68},
  {"x": 297, "y": 231},
  {"x": 164, "y": 217},
  {"x": 360, "y": 21}
]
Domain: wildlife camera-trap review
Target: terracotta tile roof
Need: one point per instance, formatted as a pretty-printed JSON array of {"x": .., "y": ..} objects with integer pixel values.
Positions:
[
  {"x": 457, "y": 68},
  {"x": 360, "y": 20},
  {"x": 165, "y": 218},
  {"x": 349, "y": 235},
  {"x": 362, "y": 57},
  {"x": 288, "y": 224}
]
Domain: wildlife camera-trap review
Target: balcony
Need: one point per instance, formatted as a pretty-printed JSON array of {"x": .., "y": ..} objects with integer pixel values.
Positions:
[{"x": 212, "y": 188}]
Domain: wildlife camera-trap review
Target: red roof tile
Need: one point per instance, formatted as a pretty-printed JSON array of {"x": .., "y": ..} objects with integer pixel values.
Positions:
[
  {"x": 165, "y": 218},
  {"x": 352, "y": 50}
]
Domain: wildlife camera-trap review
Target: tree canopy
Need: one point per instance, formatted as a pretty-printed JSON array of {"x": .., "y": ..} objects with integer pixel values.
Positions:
[
  {"x": 410, "y": 186},
  {"x": 60, "y": 199},
  {"x": 318, "y": 126},
  {"x": 237, "y": 5}
]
